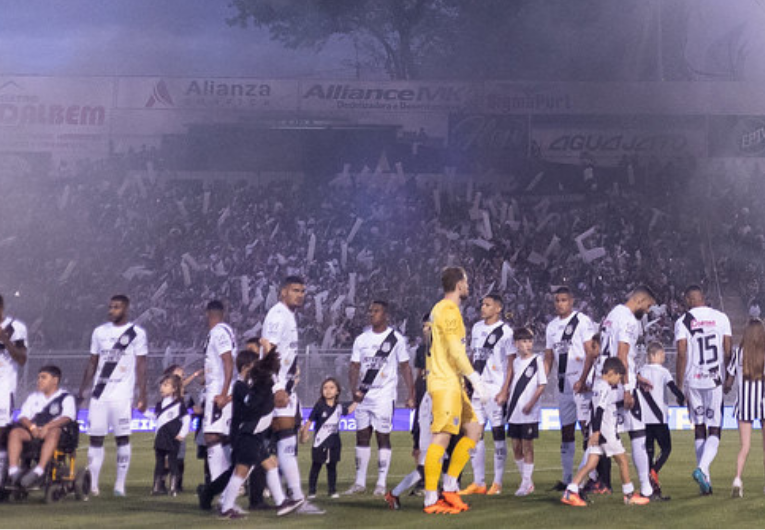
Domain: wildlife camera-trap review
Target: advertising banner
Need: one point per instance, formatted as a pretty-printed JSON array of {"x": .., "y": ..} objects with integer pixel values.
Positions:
[{"x": 737, "y": 136}]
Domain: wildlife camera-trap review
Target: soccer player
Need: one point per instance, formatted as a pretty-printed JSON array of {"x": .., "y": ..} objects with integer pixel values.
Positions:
[
  {"x": 568, "y": 340},
  {"x": 491, "y": 344},
  {"x": 703, "y": 337},
  {"x": 523, "y": 411},
  {"x": 619, "y": 333},
  {"x": 43, "y": 416},
  {"x": 220, "y": 348},
  {"x": 447, "y": 364},
  {"x": 117, "y": 365},
  {"x": 604, "y": 439},
  {"x": 280, "y": 329},
  {"x": 13, "y": 354},
  {"x": 379, "y": 354}
]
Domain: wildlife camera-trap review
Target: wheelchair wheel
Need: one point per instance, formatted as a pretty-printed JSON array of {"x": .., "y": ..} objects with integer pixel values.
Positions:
[
  {"x": 54, "y": 493},
  {"x": 82, "y": 484}
]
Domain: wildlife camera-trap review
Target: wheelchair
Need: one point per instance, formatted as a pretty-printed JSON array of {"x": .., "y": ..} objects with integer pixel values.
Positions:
[{"x": 61, "y": 477}]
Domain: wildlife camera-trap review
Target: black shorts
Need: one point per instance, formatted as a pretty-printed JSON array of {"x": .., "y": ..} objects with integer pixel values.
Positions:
[
  {"x": 523, "y": 431},
  {"x": 326, "y": 455},
  {"x": 250, "y": 449}
]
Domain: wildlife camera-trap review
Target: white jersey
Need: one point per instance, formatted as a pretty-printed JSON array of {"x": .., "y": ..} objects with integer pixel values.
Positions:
[
  {"x": 117, "y": 348},
  {"x": 604, "y": 396},
  {"x": 656, "y": 409},
  {"x": 490, "y": 346},
  {"x": 9, "y": 369},
  {"x": 379, "y": 365},
  {"x": 565, "y": 337},
  {"x": 37, "y": 402},
  {"x": 703, "y": 328},
  {"x": 619, "y": 326},
  {"x": 280, "y": 328},
  {"x": 528, "y": 374},
  {"x": 220, "y": 340}
]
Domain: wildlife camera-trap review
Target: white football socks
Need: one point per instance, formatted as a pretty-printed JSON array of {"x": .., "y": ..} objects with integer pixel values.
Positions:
[
  {"x": 286, "y": 453},
  {"x": 363, "y": 455},
  {"x": 478, "y": 463}
]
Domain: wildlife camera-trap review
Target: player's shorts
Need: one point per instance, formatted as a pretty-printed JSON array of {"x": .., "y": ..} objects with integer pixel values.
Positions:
[
  {"x": 290, "y": 410},
  {"x": 425, "y": 418},
  {"x": 630, "y": 420},
  {"x": 705, "y": 406},
  {"x": 489, "y": 412},
  {"x": 574, "y": 407},
  {"x": 103, "y": 415},
  {"x": 326, "y": 454},
  {"x": 6, "y": 408},
  {"x": 216, "y": 420},
  {"x": 451, "y": 409},
  {"x": 377, "y": 414},
  {"x": 608, "y": 448},
  {"x": 523, "y": 431},
  {"x": 250, "y": 449}
]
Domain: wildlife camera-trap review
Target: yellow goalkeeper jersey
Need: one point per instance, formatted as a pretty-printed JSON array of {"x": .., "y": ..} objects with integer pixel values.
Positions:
[{"x": 447, "y": 360}]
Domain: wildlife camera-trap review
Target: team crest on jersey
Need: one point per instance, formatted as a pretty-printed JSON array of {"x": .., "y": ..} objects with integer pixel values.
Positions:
[
  {"x": 386, "y": 347},
  {"x": 569, "y": 329},
  {"x": 529, "y": 371},
  {"x": 55, "y": 409},
  {"x": 492, "y": 339},
  {"x": 124, "y": 340}
]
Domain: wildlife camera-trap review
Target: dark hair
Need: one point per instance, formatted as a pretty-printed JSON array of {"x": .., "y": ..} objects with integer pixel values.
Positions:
[
  {"x": 497, "y": 298},
  {"x": 2, "y": 302},
  {"x": 253, "y": 340},
  {"x": 290, "y": 280},
  {"x": 693, "y": 288},
  {"x": 121, "y": 298},
  {"x": 176, "y": 382},
  {"x": 523, "y": 333},
  {"x": 215, "y": 305},
  {"x": 51, "y": 369},
  {"x": 170, "y": 369},
  {"x": 263, "y": 370},
  {"x": 614, "y": 364},
  {"x": 563, "y": 290},
  {"x": 329, "y": 380},
  {"x": 644, "y": 290},
  {"x": 381, "y": 303},
  {"x": 426, "y": 317},
  {"x": 245, "y": 357},
  {"x": 450, "y": 277}
]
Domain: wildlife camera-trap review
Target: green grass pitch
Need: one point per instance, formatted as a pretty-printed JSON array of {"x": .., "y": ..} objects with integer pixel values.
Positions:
[{"x": 542, "y": 509}]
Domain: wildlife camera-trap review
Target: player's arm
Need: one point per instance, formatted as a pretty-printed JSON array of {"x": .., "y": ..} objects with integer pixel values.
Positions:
[
  {"x": 140, "y": 376},
  {"x": 727, "y": 349},
  {"x": 87, "y": 377},
  {"x": 406, "y": 372},
  {"x": 591, "y": 355},
  {"x": 305, "y": 431},
  {"x": 17, "y": 350},
  {"x": 504, "y": 393},
  {"x": 549, "y": 360},
  {"x": 228, "y": 371},
  {"x": 682, "y": 360},
  {"x": 185, "y": 427},
  {"x": 623, "y": 352},
  {"x": 353, "y": 380}
]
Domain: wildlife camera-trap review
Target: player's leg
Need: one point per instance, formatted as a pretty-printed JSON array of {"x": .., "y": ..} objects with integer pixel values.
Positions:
[
  {"x": 3, "y": 454},
  {"x": 98, "y": 420},
  {"x": 313, "y": 477},
  {"x": 235, "y": 482},
  {"x": 472, "y": 431},
  {"x": 500, "y": 458},
  {"x": 6, "y": 418},
  {"x": 745, "y": 440},
  {"x": 527, "y": 446},
  {"x": 568, "y": 415},
  {"x": 446, "y": 418},
  {"x": 713, "y": 405},
  {"x": 283, "y": 505},
  {"x": 159, "y": 470},
  {"x": 571, "y": 494},
  {"x": 332, "y": 479},
  {"x": 120, "y": 418},
  {"x": 382, "y": 423},
  {"x": 640, "y": 459},
  {"x": 515, "y": 439},
  {"x": 363, "y": 453},
  {"x": 628, "y": 489},
  {"x": 664, "y": 439},
  {"x": 478, "y": 455}
]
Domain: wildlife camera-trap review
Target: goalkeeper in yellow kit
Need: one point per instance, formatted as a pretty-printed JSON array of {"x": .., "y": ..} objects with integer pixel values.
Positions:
[{"x": 447, "y": 363}]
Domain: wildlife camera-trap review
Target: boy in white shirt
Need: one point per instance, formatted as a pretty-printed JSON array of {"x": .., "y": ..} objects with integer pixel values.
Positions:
[{"x": 523, "y": 410}]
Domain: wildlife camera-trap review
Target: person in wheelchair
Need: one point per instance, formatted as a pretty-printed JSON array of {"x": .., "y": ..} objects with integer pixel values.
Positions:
[{"x": 42, "y": 424}]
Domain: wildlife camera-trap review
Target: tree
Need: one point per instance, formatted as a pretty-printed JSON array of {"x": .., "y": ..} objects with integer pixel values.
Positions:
[{"x": 398, "y": 34}]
